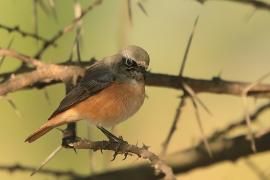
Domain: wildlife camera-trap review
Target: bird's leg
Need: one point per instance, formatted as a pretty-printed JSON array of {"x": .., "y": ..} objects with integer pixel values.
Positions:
[
  {"x": 110, "y": 136},
  {"x": 119, "y": 140},
  {"x": 69, "y": 136}
]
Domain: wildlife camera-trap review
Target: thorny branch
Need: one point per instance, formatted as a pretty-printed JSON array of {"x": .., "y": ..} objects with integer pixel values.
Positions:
[
  {"x": 226, "y": 149},
  {"x": 238, "y": 123},
  {"x": 188, "y": 92},
  {"x": 57, "y": 173},
  {"x": 48, "y": 74},
  {"x": 41, "y": 75},
  {"x": 119, "y": 147},
  {"x": 127, "y": 149},
  {"x": 18, "y": 30}
]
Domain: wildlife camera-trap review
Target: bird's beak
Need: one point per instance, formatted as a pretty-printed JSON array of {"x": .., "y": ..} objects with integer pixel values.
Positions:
[{"x": 141, "y": 69}]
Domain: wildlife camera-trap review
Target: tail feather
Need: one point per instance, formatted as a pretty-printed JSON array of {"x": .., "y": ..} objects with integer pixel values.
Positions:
[
  {"x": 60, "y": 119},
  {"x": 37, "y": 134},
  {"x": 49, "y": 125}
]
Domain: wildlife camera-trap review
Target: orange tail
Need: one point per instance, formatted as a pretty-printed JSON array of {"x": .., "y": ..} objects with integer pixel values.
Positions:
[
  {"x": 37, "y": 134},
  {"x": 45, "y": 129}
]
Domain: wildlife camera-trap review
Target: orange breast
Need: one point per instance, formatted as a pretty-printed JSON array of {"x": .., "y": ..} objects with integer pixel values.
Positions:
[{"x": 113, "y": 104}]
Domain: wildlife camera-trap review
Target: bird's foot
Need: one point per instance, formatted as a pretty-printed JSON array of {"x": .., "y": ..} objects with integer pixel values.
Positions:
[
  {"x": 111, "y": 136},
  {"x": 68, "y": 141},
  {"x": 119, "y": 141}
]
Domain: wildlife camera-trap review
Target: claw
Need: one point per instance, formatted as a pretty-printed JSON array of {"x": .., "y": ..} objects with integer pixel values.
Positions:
[
  {"x": 112, "y": 138},
  {"x": 68, "y": 142},
  {"x": 125, "y": 156},
  {"x": 75, "y": 150},
  {"x": 114, "y": 155}
]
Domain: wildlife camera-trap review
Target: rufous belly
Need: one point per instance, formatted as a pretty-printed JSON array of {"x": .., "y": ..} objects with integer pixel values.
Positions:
[{"x": 113, "y": 104}]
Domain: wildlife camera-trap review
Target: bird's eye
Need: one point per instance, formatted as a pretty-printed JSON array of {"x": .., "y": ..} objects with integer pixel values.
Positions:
[{"x": 130, "y": 62}]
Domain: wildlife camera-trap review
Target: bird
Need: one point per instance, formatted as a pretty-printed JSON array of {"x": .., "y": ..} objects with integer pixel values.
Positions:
[{"x": 111, "y": 91}]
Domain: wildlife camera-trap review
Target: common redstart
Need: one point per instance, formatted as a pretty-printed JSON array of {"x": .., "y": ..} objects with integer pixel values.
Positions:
[{"x": 110, "y": 92}]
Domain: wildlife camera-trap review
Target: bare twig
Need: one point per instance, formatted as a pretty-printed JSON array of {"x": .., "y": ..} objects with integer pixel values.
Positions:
[
  {"x": 45, "y": 74},
  {"x": 76, "y": 43},
  {"x": 53, "y": 73},
  {"x": 47, "y": 160},
  {"x": 47, "y": 97},
  {"x": 194, "y": 96},
  {"x": 67, "y": 28},
  {"x": 129, "y": 8},
  {"x": 198, "y": 118},
  {"x": 22, "y": 57},
  {"x": 12, "y": 104},
  {"x": 216, "y": 85},
  {"x": 18, "y": 30},
  {"x": 188, "y": 47},
  {"x": 140, "y": 5},
  {"x": 238, "y": 123},
  {"x": 51, "y": 172},
  {"x": 8, "y": 47},
  {"x": 182, "y": 100},
  {"x": 179, "y": 109},
  {"x": 246, "y": 109},
  {"x": 35, "y": 16},
  {"x": 256, "y": 3}
]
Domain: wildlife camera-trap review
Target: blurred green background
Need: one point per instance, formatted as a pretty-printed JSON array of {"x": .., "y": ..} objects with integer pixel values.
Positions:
[{"x": 230, "y": 41}]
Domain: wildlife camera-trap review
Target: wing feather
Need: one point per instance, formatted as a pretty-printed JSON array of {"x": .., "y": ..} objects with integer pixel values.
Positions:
[{"x": 97, "y": 77}]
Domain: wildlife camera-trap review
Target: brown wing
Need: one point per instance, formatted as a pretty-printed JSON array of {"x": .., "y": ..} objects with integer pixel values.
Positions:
[{"x": 97, "y": 77}]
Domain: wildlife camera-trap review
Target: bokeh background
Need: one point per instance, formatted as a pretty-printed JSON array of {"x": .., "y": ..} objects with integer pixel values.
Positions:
[{"x": 231, "y": 40}]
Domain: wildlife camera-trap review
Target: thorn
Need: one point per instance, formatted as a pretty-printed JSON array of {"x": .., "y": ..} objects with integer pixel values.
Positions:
[
  {"x": 13, "y": 105},
  {"x": 193, "y": 95},
  {"x": 246, "y": 109},
  {"x": 145, "y": 147},
  {"x": 61, "y": 130},
  {"x": 216, "y": 78},
  {"x": 75, "y": 150},
  {"x": 146, "y": 96},
  {"x": 8, "y": 47},
  {"x": 52, "y": 6},
  {"x": 78, "y": 48},
  {"x": 129, "y": 10},
  {"x": 47, "y": 97},
  {"x": 188, "y": 47},
  {"x": 250, "y": 14},
  {"x": 47, "y": 160},
  {"x": 199, "y": 121},
  {"x": 142, "y": 8},
  {"x": 35, "y": 17}
]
